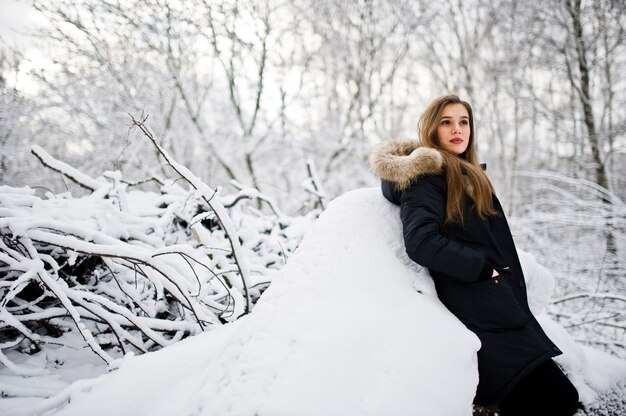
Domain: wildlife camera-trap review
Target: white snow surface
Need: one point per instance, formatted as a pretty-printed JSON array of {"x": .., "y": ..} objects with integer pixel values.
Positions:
[{"x": 349, "y": 326}]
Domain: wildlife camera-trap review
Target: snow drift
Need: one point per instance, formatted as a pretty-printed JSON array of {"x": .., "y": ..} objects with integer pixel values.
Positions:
[{"x": 349, "y": 326}]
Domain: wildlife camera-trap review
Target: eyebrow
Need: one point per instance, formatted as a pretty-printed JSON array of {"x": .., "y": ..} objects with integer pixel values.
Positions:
[{"x": 451, "y": 117}]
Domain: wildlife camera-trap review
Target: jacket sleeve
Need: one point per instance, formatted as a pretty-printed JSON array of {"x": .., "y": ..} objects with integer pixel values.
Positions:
[
  {"x": 422, "y": 209},
  {"x": 390, "y": 192}
]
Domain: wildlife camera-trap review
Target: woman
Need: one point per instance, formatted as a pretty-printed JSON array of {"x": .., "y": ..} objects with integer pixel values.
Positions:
[{"x": 454, "y": 225}]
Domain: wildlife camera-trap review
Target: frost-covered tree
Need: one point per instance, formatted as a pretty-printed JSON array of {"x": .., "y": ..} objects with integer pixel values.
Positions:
[{"x": 285, "y": 96}]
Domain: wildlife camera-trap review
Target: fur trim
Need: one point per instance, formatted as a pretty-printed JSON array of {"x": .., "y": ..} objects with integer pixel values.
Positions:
[{"x": 402, "y": 161}]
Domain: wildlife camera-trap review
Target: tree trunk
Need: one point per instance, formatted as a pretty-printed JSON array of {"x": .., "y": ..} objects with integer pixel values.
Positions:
[{"x": 582, "y": 86}]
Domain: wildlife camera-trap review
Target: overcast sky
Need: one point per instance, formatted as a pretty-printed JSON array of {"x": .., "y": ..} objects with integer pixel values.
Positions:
[{"x": 16, "y": 17}]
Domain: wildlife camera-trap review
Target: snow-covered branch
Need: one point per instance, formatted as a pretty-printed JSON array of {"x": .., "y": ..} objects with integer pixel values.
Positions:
[
  {"x": 207, "y": 194},
  {"x": 573, "y": 296},
  {"x": 63, "y": 168},
  {"x": 130, "y": 271}
]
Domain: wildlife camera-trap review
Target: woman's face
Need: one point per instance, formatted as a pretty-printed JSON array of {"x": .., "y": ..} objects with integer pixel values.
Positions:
[{"x": 454, "y": 128}]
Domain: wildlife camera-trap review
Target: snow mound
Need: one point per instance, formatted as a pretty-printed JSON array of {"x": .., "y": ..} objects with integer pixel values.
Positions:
[
  {"x": 342, "y": 330},
  {"x": 539, "y": 282},
  {"x": 349, "y": 326}
]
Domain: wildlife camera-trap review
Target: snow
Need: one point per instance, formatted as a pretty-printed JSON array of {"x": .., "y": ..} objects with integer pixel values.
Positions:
[{"x": 349, "y": 326}]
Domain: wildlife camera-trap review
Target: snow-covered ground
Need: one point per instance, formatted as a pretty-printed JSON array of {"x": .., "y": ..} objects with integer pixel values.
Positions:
[{"x": 349, "y": 326}]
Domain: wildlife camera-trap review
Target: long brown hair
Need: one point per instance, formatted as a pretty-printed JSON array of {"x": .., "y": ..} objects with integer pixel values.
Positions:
[{"x": 464, "y": 175}]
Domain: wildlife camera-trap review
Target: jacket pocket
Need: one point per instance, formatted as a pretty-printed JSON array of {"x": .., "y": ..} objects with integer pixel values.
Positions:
[{"x": 488, "y": 305}]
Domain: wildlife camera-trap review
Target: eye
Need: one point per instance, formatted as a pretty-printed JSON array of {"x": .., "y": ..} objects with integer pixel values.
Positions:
[
  {"x": 445, "y": 121},
  {"x": 465, "y": 122}
]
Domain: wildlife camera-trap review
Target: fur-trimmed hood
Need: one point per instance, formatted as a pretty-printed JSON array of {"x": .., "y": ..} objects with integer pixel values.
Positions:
[{"x": 401, "y": 161}]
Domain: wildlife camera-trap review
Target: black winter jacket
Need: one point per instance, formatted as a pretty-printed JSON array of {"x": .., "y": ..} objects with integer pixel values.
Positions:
[{"x": 461, "y": 260}]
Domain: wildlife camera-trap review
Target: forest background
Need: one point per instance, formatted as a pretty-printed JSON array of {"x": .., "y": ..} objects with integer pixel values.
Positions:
[{"x": 277, "y": 104}]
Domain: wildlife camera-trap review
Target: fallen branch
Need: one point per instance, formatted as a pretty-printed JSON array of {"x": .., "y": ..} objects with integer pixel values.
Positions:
[
  {"x": 68, "y": 171},
  {"x": 208, "y": 196}
]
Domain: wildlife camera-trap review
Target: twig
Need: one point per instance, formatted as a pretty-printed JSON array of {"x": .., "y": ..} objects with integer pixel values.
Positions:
[{"x": 315, "y": 182}]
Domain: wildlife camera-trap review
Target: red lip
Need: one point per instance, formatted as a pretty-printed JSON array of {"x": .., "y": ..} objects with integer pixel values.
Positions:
[{"x": 456, "y": 140}]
